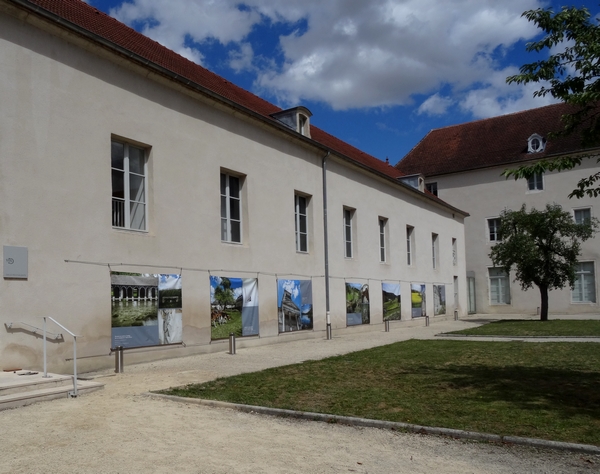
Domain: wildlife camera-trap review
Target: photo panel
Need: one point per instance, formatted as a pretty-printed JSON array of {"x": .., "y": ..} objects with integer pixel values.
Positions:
[
  {"x": 233, "y": 307},
  {"x": 294, "y": 305},
  {"x": 439, "y": 299},
  {"x": 357, "y": 304},
  {"x": 417, "y": 298},
  {"x": 391, "y": 301}
]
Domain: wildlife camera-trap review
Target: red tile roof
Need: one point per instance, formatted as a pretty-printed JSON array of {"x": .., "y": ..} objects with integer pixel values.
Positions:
[
  {"x": 490, "y": 142},
  {"x": 107, "y": 28}
]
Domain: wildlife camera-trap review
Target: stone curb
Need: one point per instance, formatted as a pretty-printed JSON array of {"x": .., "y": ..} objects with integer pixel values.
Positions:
[
  {"x": 519, "y": 338},
  {"x": 388, "y": 425}
]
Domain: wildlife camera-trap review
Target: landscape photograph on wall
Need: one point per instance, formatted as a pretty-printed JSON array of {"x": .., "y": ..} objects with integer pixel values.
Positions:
[
  {"x": 439, "y": 299},
  {"x": 136, "y": 300},
  {"x": 294, "y": 305},
  {"x": 233, "y": 307},
  {"x": 417, "y": 299},
  {"x": 391, "y": 301},
  {"x": 357, "y": 304}
]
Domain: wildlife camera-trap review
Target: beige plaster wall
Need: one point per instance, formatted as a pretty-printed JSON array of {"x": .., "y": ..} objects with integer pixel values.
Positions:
[
  {"x": 60, "y": 107},
  {"x": 484, "y": 194}
]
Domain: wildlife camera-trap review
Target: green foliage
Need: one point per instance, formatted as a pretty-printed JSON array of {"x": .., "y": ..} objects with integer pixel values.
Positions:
[
  {"x": 224, "y": 296},
  {"x": 541, "y": 247},
  {"x": 549, "y": 390},
  {"x": 572, "y": 74}
]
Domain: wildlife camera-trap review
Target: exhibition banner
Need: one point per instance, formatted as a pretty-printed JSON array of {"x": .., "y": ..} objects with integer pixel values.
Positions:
[
  {"x": 391, "y": 301},
  {"x": 417, "y": 298},
  {"x": 439, "y": 299},
  {"x": 146, "y": 309},
  {"x": 294, "y": 305},
  {"x": 357, "y": 304},
  {"x": 233, "y": 307}
]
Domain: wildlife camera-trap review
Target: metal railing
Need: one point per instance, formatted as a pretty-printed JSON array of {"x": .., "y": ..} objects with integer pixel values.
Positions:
[
  {"x": 74, "y": 392},
  {"x": 32, "y": 329}
]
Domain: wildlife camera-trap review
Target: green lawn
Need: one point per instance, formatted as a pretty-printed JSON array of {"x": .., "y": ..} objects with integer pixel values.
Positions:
[
  {"x": 535, "y": 328},
  {"x": 234, "y": 325},
  {"x": 540, "y": 390}
]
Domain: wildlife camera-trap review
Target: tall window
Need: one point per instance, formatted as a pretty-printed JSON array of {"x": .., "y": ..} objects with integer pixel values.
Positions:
[
  {"x": 535, "y": 182},
  {"x": 434, "y": 250},
  {"x": 128, "y": 167},
  {"x": 454, "y": 252},
  {"x": 494, "y": 230},
  {"x": 584, "y": 290},
  {"x": 231, "y": 209},
  {"x": 582, "y": 216},
  {"x": 410, "y": 245},
  {"x": 382, "y": 240},
  {"x": 300, "y": 215},
  {"x": 499, "y": 286},
  {"x": 348, "y": 216}
]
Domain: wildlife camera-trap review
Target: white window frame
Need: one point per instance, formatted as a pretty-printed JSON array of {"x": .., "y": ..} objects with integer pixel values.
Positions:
[
  {"x": 585, "y": 276},
  {"x": 121, "y": 207},
  {"x": 535, "y": 182},
  {"x": 383, "y": 222},
  {"x": 454, "y": 252},
  {"x": 227, "y": 199},
  {"x": 348, "y": 232},
  {"x": 496, "y": 230},
  {"x": 432, "y": 187},
  {"x": 410, "y": 245},
  {"x": 435, "y": 250},
  {"x": 580, "y": 210},
  {"x": 502, "y": 283},
  {"x": 299, "y": 219}
]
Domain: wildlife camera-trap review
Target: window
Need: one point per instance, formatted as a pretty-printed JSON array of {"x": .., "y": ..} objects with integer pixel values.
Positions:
[
  {"x": 382, "y": 240},
  {"x": 301, "y": 204},
  {"x": 535, "y": 182},
  {"x": 582, "y": 216},
  {"x": 129, "y": 171},
  {"x": 494, "y": 230},
  {"x": 348, "y": 222},
  {"x": 454, "y": 252},
  {"x": 584, "y": 290},
  {"x": 536, "y": 143},
  {"x": 410, "y": 245},
  {"x": 434, "y": 250},
  {"x": 499, "y": 286},
  {"x": 432, "y": 188},
  {"x": 231, "y": 208}
]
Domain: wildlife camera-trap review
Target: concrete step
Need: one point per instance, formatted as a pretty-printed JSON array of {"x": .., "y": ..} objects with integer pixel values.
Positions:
[{"x": 20, "y": 390}]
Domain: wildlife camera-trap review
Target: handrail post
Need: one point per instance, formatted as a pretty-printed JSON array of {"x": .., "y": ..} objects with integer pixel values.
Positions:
[
  {"x": 74, "y": 394},
  {"x": 45, "y": 363}
]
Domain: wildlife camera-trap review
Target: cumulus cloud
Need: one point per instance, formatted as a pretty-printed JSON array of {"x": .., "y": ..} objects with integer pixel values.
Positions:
[{"x": 355, "y": 54}]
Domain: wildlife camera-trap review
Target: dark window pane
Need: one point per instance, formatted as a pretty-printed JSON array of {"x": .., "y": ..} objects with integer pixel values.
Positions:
[
  {"x": 136, "y": 160},
  {"x": 234, "y": 209},
  {"x": 116, "y": 155},
  {"x": 234, "y": 187},
  {"x": 236, "y": 235},
  {"x": 223, "y": 207},
  {"x": 136, "y": 188},
  {"x": 223, "y": 183},
  {"x": 303, "y": 228},
  {"x": 118, "y": 188},
  {"x": 303, "y": 242}
]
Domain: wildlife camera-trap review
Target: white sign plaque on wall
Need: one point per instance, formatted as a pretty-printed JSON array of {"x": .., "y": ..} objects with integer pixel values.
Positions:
[{"x": 15, "y": 262}]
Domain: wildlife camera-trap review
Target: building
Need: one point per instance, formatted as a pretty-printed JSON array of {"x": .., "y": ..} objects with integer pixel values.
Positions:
[
  {"x": 151, "y": 204},
  {"x": 462, "y": 165}
]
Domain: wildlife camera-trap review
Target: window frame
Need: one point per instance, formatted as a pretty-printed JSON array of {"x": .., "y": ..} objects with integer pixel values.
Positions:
[
  {"x": 298, "y": 219},
  {"x": 579, "y": 286},
  {"x": 349, "y": 222},
  {"x": 435, "y": 250},
  {"x": 503, "y": 279},
  {"x": 127, "y": 201},
  {"x": 226, "y": 214},
  {"x": 582, "y": 209},
  {"x": 383, "y": 239},
  {"x": 410, "y": 245},
  {"x": 454, "y": 252},
  {"x": 496, "y": 230},
  {"x": 535, "y": 182},
  {"x": 432, "y": 187}
]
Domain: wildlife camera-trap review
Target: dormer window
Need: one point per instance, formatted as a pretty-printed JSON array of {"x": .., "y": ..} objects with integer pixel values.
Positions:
[
  {"x": 297, "y": 119},
  {"x": 535, "y": 143},
  {"x": 416, "y": 181}
]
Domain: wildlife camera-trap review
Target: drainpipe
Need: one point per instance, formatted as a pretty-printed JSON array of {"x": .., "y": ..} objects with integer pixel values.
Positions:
[{"x": 326, "y": 243}]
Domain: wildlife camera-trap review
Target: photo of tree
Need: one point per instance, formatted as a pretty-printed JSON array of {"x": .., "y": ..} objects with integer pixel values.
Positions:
[
  {"x": 391, "y": 301},
  {"x": 294, "y": 305},
  {"x": 417, "y": 298},
  {"x": 357, "y": 304},
  {"x": 439, "y": 299},
  {"x": 233, "y": 307}
]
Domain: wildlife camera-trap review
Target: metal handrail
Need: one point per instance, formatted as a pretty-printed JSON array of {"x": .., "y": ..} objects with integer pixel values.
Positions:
[
  {"x": 74, "y": 392},
  {"x": 33, "y": 329}
]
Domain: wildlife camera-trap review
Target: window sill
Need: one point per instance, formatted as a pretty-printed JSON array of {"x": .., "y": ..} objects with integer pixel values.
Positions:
[{"x": 134, "y": 231}]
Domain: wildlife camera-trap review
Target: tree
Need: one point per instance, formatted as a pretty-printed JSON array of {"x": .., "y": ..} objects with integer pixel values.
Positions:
[
  {"x": 572, "y": 72},
  {"x": 542, "y": 247},
  {"x": 224, "y": 296}
]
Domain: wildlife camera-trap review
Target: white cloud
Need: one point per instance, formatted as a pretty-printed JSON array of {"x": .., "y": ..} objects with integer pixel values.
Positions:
[{"x": 355, "y": 54}]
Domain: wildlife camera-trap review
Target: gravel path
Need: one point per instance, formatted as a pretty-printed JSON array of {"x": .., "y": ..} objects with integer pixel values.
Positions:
[{"x": 119, "y": 430}]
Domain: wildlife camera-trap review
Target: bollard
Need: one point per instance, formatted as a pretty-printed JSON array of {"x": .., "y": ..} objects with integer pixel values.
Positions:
[
  {"x": 426, "y": 320},
  {"x": 232, "y": 343},
  {"x": 387, "y": 325},
  {"x": 455, "y": 315},
  {"x": 119, "y": 360},
  {"x": 329, "y": 332}
]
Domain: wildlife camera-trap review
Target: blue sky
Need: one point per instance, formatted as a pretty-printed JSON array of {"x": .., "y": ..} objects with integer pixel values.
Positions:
[{"x": 378, "y": 74}]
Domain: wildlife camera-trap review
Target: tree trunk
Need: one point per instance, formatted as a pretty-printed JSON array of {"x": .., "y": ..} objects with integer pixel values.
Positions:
[{"x": 544, "y": 307}]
